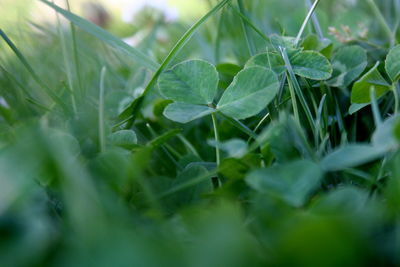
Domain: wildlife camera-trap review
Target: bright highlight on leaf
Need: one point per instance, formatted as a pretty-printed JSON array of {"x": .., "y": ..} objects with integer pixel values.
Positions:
[{"x": 392, "y": 63}]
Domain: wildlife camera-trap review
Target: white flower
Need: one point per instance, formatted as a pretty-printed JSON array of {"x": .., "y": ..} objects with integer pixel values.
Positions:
[{"x": 129, "y": 12}]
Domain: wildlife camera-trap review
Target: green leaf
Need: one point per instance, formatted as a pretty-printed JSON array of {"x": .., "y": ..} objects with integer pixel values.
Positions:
[
  {"x": 124, "y": 138},
  {"x": 194, "y": 82},
  {"x": 361, "y": 89},
  {"x": 356, "y": 107},
  {"x": 184, "y": 113},
  {"x": 397, "y": 130},
  {"x": 384, "y": 135},
  {"x": 105, "y": 36},
  {"x": 250, "y": 92},
  {"x": 392, "y": 63},
  {"x": 269, "y": 60},
  {"x": 293, "y": 182},
  {"x": 311, "y": 65},
  {"x": 348, "y": 64},
  {"x": 308, "y": 64},
  {"x": 349, "y": 156}
]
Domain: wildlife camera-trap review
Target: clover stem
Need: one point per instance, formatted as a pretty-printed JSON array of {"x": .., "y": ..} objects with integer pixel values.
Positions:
[{"x": 217, "y": 154}]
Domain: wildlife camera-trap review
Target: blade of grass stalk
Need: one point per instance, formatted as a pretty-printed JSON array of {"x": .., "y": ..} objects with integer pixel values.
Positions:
[
  {"x": 382, "y": 21},
  {"x": 217, "y": 49},
  {"x": 292, "y": 80},
  {"x": 249, "y": 40},
  {"x": 35, "y": 77},
  {"x": 66, "y": 62},
  {"x": 240, "y": 126},
  {"x": 249, "y": 23},
  {"x": 303, "y": 26},
  {"x": 104, "y": 36},
  {"x": 75, "y": 57},
  {"x": 102, "y": 137},
  {"x": 315, "y": 21},
  {"x": 135, "y": 106},
  {"x": 188, "y": 145}
]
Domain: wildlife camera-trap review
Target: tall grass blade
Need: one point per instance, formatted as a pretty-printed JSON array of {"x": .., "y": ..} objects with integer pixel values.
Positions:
[
  {"x": 26, "y": 64},
  {"x": 303, "y": 27},
  {"x": 104, "y": 36}
]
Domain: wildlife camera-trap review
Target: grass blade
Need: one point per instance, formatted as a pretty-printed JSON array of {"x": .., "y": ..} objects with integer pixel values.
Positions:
[
  {"x": 104, "y": 36},
  {"x": 26, "y": 64},
  {"x": 303, "y": 27}
]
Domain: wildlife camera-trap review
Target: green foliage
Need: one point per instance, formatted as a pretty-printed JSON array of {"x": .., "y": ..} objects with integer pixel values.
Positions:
[
  {"x": 392, "y": 63},
  {"x": 360, "y": 92},
  {"x": 299, "y": 164},
  {"x": 293, "y": 182}
]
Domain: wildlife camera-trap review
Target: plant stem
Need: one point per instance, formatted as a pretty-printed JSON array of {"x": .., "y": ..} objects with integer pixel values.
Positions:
[
  {"x": 381, "y": 21},
  {"x": 217, "y": 154},
  {"x": 312, "y": 9},
  {"x": 396, "y": 99},
  {"x": 102, "y": 139}
]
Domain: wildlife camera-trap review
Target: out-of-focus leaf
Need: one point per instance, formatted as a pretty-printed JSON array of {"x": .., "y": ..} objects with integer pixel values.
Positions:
[
  {"x": 392, "y": 63},
  {"x": 384, "y": 135},
  {"x": 351, "y": 155},
  {"x": 348, "y": 63},
  {"x": 235, "y": 148},
  {"x": 123, "y": 138},
  {"x": 250, "y": 92},
  {"x": 293, "y": 182},
  {"x": 360, "y": 93}
]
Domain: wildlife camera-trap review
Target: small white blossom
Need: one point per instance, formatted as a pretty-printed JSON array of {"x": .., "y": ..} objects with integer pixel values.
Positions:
[{"x": 129, "y": 12}]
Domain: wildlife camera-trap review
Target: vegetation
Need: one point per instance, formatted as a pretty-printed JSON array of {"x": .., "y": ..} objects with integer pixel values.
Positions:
[{"x": 265, "y": 134}]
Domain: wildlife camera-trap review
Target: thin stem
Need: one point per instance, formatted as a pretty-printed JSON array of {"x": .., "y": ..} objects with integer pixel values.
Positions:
[
  {"x": 216, "y": 135},
  {"x": 312, "y": 9},
  {"x": 382, "y": 21},
  {"x": 396, "y": 99},
  {"x": 102, "y": 139}
]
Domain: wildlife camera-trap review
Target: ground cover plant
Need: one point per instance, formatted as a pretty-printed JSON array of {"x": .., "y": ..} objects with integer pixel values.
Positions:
[{"x": 264, "y": 134}]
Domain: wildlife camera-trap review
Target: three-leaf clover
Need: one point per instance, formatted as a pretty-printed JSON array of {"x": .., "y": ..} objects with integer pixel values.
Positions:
[{"x": 193, "y": 86}]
